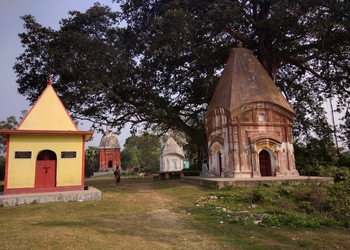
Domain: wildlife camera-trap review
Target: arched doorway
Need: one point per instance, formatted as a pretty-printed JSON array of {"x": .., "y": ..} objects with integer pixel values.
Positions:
[
  {"x": 45, "y": 174},
  {"x": 219, "y": 163},
  {"x": 110, "y": 164},
  {"x": 265, "y": 163}
]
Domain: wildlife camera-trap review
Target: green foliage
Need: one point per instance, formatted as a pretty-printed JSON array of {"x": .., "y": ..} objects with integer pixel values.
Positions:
[
  {"x": 291, "y": 219},
  {"x": 338, "y": 173},
  {"x": 316, "y": 155},
  {"x": 338, "y": 201},
  {"x": 141, "y": 151},
  {"x": 11, "y": 122},
  {"x": 285, "y": 190},
  {"x": 307, "y": 205},
  {"x": 92, "y": 160},
  {"x": 2, "y": 167},
  {"x": 196, "y": 166},
  {"x": 130, "y": 157},
  {"x": 162, "y": 66},
  {"x": 345, "y": 159},
  {"x": 319, "y": 158}
]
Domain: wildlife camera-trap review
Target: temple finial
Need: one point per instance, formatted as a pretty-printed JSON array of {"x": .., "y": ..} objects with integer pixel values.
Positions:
[{"x": 49, "y": 82}]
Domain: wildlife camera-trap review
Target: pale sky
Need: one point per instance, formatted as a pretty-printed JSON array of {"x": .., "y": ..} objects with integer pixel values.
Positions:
[{"x": 48, "y": 13}]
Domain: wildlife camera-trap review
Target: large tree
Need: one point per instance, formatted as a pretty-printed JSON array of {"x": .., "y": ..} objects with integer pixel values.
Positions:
[{"x": 161, "y": 65}]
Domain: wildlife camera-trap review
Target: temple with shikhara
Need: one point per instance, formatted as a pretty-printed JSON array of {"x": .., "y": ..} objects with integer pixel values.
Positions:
[
  {"x": 249, "y": 122},
  {"x": 109, "y": 151}
]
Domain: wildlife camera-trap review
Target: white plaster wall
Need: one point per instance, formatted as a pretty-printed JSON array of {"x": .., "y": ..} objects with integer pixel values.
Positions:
[{"x": 171, "y": 163}]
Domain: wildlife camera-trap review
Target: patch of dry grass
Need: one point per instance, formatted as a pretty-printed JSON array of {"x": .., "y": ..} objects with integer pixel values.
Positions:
[{"x": 146, "y": 214}]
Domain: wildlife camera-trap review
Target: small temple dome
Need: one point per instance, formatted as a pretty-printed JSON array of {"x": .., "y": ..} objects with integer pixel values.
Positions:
[
  {"x": 171, "y": 147},
  {"x": 109, "y": 140}
]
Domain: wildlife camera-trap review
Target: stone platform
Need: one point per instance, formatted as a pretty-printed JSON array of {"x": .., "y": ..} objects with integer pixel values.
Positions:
[
  {"x": 92, "y": 194},
  {"x": 220, "y": 182}
]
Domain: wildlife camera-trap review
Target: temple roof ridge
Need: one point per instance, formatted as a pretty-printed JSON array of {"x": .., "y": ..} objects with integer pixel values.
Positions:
[{"x": 244, "y": 80}]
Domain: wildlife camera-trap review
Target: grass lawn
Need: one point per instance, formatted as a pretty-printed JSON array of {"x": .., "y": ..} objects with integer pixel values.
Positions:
[{"x": 147, "y": 214}]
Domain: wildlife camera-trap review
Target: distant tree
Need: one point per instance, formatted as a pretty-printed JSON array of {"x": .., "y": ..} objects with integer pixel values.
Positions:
[
  {"x": 142, "y": 150},
  {"x": 310, "y": 157},
  {"x": 2, "y": 167},
  {"x": 10, "y": 123},
  {"x": 92, "y": 160},
  {"x": 345, "y": 159},
  {"x": 130, "y": 158},
  {"x": 345, "y": 128}
]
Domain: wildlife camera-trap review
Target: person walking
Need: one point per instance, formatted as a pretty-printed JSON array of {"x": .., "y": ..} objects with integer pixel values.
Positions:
[{"x": 117, "y": 175}]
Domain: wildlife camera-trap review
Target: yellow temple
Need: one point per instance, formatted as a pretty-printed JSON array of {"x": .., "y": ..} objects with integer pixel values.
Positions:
[{"x": 46, "y": 151}]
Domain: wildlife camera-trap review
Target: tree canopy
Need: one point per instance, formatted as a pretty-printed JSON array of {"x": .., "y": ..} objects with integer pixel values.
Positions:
[
  {"x": 141, "y": 151},
  {"x": 92, "y": 160},
  {"x": 157, "y": 62}
]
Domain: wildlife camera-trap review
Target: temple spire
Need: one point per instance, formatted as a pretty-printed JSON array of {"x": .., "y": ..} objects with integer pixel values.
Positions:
[{"x": 49, "y": 82}]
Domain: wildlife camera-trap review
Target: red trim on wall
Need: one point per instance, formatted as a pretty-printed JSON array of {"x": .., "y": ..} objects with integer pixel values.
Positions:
[
  {"x": 83, "y": 160},
  {"x": 8, "y": 191},
  {"x": 87, "y": 133},
  {"x": 7, "y": 160}
]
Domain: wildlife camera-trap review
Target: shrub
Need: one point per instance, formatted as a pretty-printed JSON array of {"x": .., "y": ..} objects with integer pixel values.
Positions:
[
  {"x": 301, "y": 192},
  {"x": 338, "y": 203},
  {"x": 319, "y": 196},
  {"x": 285, "y": 189},
  {"x": 262, "y": 194},
  {"x": 305, "y": 205},
  {"x": 291, "y": 219}
]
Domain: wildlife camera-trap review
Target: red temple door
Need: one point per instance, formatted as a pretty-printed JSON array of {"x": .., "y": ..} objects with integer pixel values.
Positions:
[
  {"x": 265, "y": 163},
  {"x": 45, "y": 175}
]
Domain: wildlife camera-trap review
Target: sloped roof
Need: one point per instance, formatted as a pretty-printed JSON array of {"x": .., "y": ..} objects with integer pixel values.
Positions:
[
  {"x": 243, "y": 81},
  {"x": 48, "y": 113},
  {"x": 48, "y": 116},
  {"x": 109, "y": 140},
  {"x": 171, "y": 147}
]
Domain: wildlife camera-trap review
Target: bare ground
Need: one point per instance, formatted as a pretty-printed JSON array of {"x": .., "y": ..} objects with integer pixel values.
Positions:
[{"x": 163, "y": 226}]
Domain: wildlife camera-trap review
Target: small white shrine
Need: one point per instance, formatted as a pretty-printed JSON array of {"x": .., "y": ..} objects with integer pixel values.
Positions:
[{"x": 171, "y": 157}]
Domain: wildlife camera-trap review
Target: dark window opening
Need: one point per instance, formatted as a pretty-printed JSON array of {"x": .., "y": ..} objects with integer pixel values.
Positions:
[
  {"x": 68, "y": 154},
  {"x": 23, "y": 154}
]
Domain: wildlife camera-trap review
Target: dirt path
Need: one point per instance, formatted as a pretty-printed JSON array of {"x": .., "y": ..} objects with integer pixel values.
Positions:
[{"x": 162, "y": 223}]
